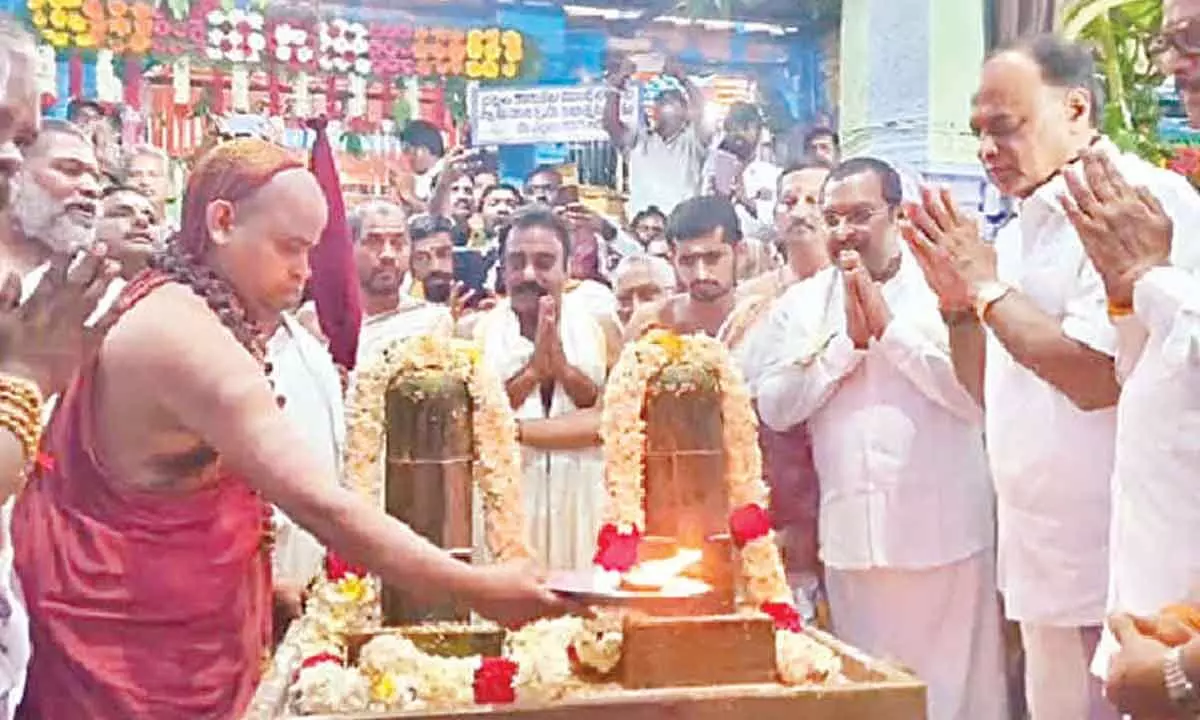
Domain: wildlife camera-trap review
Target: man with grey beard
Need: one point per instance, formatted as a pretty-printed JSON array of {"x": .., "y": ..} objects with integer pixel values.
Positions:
[
  {"x": 19, "y": 115},
  {"x": 58, "y": 197}
]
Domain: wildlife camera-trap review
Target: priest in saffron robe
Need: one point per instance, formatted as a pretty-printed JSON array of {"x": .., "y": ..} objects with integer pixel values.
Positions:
[{"x": 143, "y": 538}]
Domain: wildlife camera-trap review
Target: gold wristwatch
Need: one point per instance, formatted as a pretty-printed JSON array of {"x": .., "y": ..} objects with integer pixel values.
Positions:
[{"x": 987, "y": 295}]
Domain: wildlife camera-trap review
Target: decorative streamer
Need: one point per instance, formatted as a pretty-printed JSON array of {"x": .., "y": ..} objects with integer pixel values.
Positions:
[
  {"x": 108, "y": 85},
  {"x": 274, "y": 101},
  {"x": 301, "y": 97},
  {"x": 74, "y": 75},
  {"x": 218, "y": 92},
  {"x": 239, "y": 89},
  {"x": 356, "y": 106},
  {"x": 132, "y": 73},
  {"x": 89, "y": 88},
  {"x": 331, "y": 96},
  {"x": 181, "y": 81},
  {"x": 47, "y": 72}
]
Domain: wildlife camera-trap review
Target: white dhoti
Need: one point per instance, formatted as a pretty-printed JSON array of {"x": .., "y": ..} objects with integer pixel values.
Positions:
[
  {"x": 1058, "y": 683},
  {"x": 942, "y": 622},
  {"x": 563, "y": 490}
]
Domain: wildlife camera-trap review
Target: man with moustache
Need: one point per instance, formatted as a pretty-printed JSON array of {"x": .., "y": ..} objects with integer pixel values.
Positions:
[
  {"x": 787, "y": 456},
  {"x": 129, "y": 227},
  {"x": 906, "y": 508},
  {"x": 554, "y": 355},
  {"x": 1031, "y": 333},
  {"x": 541, "y": 186},
  {"x": 57, "y": 205},
  {"x": 19, "y": 113},
  {"x": 382, "y": 254},
  {"x": 706, "y": 241},
  {"x": 641, "y": 280},
  {"x": 648, "y": 228},
  {"x": 147, "y": 171}
]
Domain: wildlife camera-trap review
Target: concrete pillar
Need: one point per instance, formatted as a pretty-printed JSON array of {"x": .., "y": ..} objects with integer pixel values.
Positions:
[{"x": 908, "y": 71}]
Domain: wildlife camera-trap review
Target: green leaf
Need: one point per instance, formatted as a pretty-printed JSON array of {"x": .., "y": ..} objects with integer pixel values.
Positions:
[
  {"x": 352, "y": 142},
  {"x": 180, "y": 9}
]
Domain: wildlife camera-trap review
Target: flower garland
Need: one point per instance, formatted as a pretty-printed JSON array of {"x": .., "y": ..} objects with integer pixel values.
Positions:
[
  {"x": 61, "y": 22},
  {"x": 624, "y": 431},
  {"x": 344, "y": 47},
  {"x": 293, "y": 45},
  {"x": 235, "y": 36},
  {"x": 120, "y": 26},
  {"x": 497, "y": 466}
]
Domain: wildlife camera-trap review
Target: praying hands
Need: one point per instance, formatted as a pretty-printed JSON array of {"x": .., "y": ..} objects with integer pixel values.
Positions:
[
  {"x": 1123, "y": 229},
  {"x": 949, "y": 248},
  {"x": 867, "y": 313}
]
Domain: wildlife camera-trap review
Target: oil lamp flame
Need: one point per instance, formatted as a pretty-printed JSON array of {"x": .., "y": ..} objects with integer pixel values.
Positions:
[{"x": 666, "y": 575}]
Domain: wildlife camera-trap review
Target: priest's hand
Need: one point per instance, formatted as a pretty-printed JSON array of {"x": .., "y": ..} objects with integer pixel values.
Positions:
[
  {"x": 1135, "y": 676},
  {"x": 949, "y": 248},
  {"x": 1123, "y": 229},
  {"x": 45, "y": 339},
  {"x": 513, "y": 594},
  {"x": 856, "y": 317}
]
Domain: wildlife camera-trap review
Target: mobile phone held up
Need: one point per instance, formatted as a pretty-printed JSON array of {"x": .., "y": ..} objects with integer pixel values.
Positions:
[
  {"x": 726, "y": 168},
  {"x": 470, "y": 269}
]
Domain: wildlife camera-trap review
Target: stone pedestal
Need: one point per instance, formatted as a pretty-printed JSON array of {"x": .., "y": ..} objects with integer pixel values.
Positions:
[{"x": 908, "y": 71}]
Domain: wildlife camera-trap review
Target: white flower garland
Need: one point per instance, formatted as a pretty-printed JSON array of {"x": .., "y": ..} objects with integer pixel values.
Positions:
[
  {"x": 497, "y": 465},
  {"x": 235, "y": 36},
  {"x": 344, "y": 47},
  {"x": 293, "y": 43},
  {"x": 624, "y": 431}
]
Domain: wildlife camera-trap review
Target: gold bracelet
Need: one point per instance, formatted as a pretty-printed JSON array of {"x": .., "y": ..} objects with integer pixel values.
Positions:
[
  {"x": 21, "y": 412},
  {"x": 1119, "y": 310}
]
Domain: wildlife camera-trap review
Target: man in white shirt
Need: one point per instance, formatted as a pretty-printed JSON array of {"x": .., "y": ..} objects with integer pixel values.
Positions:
[
  {"x": 1045, "y": 367},
  {"x": 906, "y": 509},
  {"x": 1145, "y": 249},
  {"x": 665, "y": 163},
  {"x": 382, "y": 253}
]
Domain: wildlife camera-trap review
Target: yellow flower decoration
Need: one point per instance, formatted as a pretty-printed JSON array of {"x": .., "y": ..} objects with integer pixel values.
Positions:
[
  {"x": 60, "y": 23},
  {"x": 352, "y": 587},
  {"x": 36, "y": 5},
  {"x": 40, "y": 20},
  {"x": 383, "y": 688}
]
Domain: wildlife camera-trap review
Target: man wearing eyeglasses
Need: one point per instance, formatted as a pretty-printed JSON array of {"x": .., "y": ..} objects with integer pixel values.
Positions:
[{"x": 905, "y": 524}]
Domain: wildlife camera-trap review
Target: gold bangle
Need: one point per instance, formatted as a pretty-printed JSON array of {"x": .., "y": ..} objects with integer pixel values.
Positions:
[
  {"x": 21, "y": 412},
  {"x": 1119, "y": 310}
]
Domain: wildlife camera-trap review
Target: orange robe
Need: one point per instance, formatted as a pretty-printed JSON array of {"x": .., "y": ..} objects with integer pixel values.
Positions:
[{"x": 142, "y": 605}]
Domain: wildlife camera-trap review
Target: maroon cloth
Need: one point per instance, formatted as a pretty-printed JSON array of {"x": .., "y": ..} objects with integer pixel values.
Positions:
[
  {"x": 142, "y": 605},
  {"x": 334, "y": 283},
  {"x": 791, "y": 475}
]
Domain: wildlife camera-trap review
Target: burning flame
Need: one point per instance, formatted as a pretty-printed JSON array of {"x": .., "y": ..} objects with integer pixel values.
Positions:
[{"x": 666, "y": 576}]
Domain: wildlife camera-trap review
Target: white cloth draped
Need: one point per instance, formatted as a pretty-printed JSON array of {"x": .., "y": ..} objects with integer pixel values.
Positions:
[{"x": 564, "y": 489}]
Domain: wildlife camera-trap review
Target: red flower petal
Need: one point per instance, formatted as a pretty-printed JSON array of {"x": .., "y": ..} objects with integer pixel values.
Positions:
[
  {"x": 785, "y": 616},
  {"x": 494, "y": 681},
  {"x": 319, "y": 658},
  {"x": 616, "y": 550},
  {"x": 44, "y": 462},
  {"x": 748, "y": 523},
  {"x": 337, "y": 568}
]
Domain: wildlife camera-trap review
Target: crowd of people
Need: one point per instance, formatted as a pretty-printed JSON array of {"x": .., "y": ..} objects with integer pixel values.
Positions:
[{"x": 954, "y": 431}]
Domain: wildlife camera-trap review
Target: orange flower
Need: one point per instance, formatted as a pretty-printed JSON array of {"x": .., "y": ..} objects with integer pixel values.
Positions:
[
  {"x": 139, "y": 44},
  {"x": 144, "y": 27},
  {"x": 120, "y": 26},
  {"x": 99, "y": 31},
  {"x": 142, "y": 11},
  {"x": 93, "y": 9},
  {"x": 118, "y": 8}
]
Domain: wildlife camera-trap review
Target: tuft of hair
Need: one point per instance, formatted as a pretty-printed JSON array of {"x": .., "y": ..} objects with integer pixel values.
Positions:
[
  {"x": 115, "y": 188},
  {"x": 422, "y": 133},
  {"x": 425, "y": 225},
  {"x": 1064, "y": 64},
  {"x": 660, "y": 270},
  {"x": 742, "y": 115},
  {"x": 648, "y": 211},
  {"x": 358, "y": 217},
  {"x": 544, "y": 170},
  {"x": 541, "y": 217},
  {"x": 501, "y": 186},
  {"x": 145, "y": 150},
  {"x": 52, "y": 127},
  {"x": 889, "y": 178},
  {"x": 699, "y": 216}
]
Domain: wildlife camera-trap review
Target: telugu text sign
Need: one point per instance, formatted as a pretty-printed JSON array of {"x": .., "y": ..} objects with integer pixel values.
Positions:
[{"x": 548, "y": 113}]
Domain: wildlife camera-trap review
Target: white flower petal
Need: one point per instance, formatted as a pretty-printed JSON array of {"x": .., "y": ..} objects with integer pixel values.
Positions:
[
  {"x": 304, "y": 54},
  {"x": 256, "y": 41},
  {"x": 325, "y": 63},
  {"x": 358, "y": 28},
  {"x": 216, "y": 17},
  {"x": 235, "y": 55},
  {"x": 341, "y": 45},
  {"x": 253, "y": 57},
  {"x": 255, "y": 20},
  {"x": 283, "y": 53},
  {"x": 361, "y": 46},
  {"x": 283, "y": 34},
  {"x": 235, "y": 37},
  {"x": 237, "y": 15},
  {"x": 215, "y": 37},
  {"x": 340, "y": 24},
  {"x": 362, "y": 66},
  {"x": 213, "y": 53}
]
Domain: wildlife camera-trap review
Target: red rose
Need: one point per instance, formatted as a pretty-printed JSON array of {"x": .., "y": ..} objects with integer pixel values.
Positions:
[
  {"x": 616, "y": 550},
  {"x": 337, "y": 568},
  {"x": 494, "y": 681},
  {"x": 747, "y": 523},
  {"x": 44, "y": 462},
  {"x": 785, "y": 616}
]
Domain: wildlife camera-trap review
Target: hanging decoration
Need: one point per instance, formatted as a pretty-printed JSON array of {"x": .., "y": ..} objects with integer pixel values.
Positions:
[
  {"x": 302, "y": 105},
  {"x": 493, "y": 53},
  {"x": 391, "y": 51},
  {"x": 293, "y": 45},
  {"x": 61, "y": 23},
  {"x": 239, "y": 89},
  {"x": 235, "y": 36},
  {"x": 181, "y": 81},
  {"x": 120, "y": 26},
  {"x": 344, "y": 47},
  {"x": 109, "y": 89}
]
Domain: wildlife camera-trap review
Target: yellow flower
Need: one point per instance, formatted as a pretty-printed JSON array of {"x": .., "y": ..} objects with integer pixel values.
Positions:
[
  {"x": 352, "y": 587},
  {"x": 77, "y": 24},
  {"x": 669, "y": 342},
  {"x": 510, "y": 70},
  {"x": 59, "y": 18},
  {"x": 383, "y": 688},
  {"x": 39, "y": 19},
  {"x": 85, "y": 40},
  {"x": 35, "y": 5},
  {"x": 58, "y": 39},
  {"x": 71, "y": 4}
]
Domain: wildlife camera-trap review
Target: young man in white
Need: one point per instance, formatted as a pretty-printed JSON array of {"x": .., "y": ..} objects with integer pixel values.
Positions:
[{"x": 906, "y": 507}]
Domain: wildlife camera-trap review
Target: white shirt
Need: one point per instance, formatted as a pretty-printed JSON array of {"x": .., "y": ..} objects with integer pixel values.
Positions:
[
  {"x": 1051, "y": 462},
  {"x": 412, "y": 318},
  {"x": 896, "y": 440},
  {"x": 1156, "y": 480},
  {"x": 662, "y": 172},
  {"x": 305, "y": 376}
]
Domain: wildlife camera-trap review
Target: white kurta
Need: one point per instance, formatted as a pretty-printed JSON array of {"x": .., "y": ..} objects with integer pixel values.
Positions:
[
  {"x": 411, "y": 319},
  {"x": 304, "y": 374},
  {"x": 1051, "y": 462},
  {"x": 906, "y": 504},
  {"x": 1155, "y": 546},
  {"x": 563, "y": 489}
]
